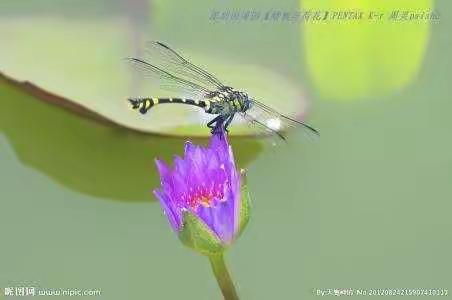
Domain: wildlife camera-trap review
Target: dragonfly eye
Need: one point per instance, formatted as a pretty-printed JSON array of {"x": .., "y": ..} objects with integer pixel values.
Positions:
[{"x": 249, "y": 103}]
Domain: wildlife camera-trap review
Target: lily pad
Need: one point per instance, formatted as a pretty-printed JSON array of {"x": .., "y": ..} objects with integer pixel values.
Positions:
[
  {"x": 82, "y": 60},
  {"x": 351, "y": 59},
  {"x": 86, "y": 152}
]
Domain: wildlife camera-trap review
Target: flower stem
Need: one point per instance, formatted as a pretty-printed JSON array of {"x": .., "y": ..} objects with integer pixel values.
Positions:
[{"x": 222, "y": 275}]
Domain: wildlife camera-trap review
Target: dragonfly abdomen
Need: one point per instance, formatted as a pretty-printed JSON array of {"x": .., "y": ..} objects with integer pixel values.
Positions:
[{"x": 144, "y": 104}]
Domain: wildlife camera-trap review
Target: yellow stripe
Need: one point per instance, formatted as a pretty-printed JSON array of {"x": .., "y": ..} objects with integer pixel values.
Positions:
[
  {"x": 155, "y": 100},
  {"x": 140, "y": 105},
  {"x": 183, "y": 99},
  {"x": 207, "y": 102},
  {"x": 170, "y": 99},
  {"x": 148, "y": 104},
  {"x": 196, "y": 102}
]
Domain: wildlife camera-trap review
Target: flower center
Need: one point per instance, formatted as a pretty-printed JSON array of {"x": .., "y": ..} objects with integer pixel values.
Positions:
[{"x": 204, "y": 195}]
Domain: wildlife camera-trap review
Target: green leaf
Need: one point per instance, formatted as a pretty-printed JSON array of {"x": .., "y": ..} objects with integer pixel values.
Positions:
[
  {"x": 86, "y": 153},
  {"x": 350, "y": 59},
  {"x": 196, "y": 235}
]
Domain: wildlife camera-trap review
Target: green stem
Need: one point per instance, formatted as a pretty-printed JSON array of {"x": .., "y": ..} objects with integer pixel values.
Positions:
[{"x": 222, "y": 275}]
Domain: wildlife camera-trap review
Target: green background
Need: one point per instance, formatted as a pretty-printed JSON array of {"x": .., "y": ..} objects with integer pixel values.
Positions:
[{"x": 368, "y": 205}]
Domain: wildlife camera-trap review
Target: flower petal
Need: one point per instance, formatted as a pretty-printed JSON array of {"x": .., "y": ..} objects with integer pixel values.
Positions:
[
  {"x": 181, "y": 166},
  {"x": 219, "y": 140},
  {"x": 169, "y": 209},
  {"x": 164, "y": 170},
  {"x": 189, "y": 149},
  {"x": 220, "y": 217}
]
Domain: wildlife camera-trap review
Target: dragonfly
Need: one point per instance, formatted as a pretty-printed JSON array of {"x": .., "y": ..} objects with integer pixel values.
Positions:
[{"x": 204, "y": 90}]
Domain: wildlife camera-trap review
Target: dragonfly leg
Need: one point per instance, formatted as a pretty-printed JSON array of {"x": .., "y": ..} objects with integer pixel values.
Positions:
[
  {"x": 214, "y": 122},
  {"x": 220, "y": 121},
  {"x": 228, "y": 122}
]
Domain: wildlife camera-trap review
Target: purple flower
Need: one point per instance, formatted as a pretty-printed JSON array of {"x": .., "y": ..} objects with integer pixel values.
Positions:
[{"x": 203, "y": 195}]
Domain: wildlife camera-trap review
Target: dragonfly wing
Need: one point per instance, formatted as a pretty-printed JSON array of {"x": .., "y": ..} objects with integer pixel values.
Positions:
[
  {"x": 169, "y": 81},
  {"x": 276, "y": 122},
  {"x": 260, "y": 127},
  {"x": 168, "y": 59}
]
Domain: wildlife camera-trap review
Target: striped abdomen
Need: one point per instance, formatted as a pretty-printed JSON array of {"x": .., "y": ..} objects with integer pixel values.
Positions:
[{"x": 144, "y": 104}]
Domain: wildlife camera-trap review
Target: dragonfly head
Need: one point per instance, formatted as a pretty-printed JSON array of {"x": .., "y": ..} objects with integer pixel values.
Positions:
[{"x": 245, "y": 100}]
